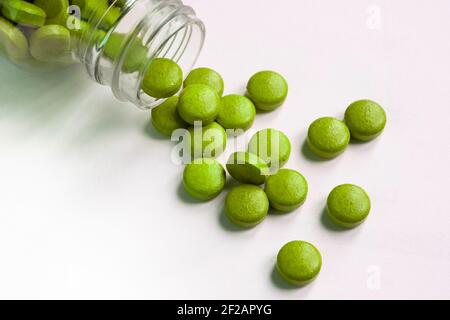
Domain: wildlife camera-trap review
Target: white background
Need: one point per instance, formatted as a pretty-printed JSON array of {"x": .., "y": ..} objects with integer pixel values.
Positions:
[{"x": 91, "y": 204}]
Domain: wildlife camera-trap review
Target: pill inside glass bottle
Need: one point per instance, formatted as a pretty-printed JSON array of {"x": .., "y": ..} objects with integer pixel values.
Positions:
[{"x": 115, "y": 40}]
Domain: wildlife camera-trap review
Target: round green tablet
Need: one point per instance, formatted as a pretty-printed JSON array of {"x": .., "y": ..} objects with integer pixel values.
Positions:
[
  {"x": 267, "y": 89},
  {"x": 57, "y": 11},
  {"x": 12, "y": 41},
  {"x": 165, "y": 117},
  {"x": 198, "y": 102},
  {"x": 299, "y": 262},
  {"x": 328, "y": 137},
  {"x": 206, "y": 76},
  {"x": 246, "y": 205},
  {"x": 236, "y": 112},
  {"x": 348, "y": 205},
  {"x": 136, "y": 55},
  {"x": 271, "y": 145},
  {"x": 246, "y": 167},
  {"x": 365, "y": 119},
  {"x": 23, "y": 13},
  {"x": 163, "y": 78},
  {"x": 287, "y": 190},
  {"x": 50, "y": 43},
  {"x": 204, "y": 179},
  {"x": 208, "y": 141}
]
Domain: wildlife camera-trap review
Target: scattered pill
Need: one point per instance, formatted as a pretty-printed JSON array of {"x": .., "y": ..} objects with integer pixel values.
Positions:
[
  {"x": 165, "y": 117},
  {"x": 328, "y": 137},
  {"x": 236, "y": 112},
  {"x": 207, "y": 77},
  {"x": 208, "y": 141},
  {"x": 299, "y": 262},
  {"x": 246, "y": 205},
  {"x": 267, "y": 89},
  {"x": 287, "y": 190},
  {"x": 163, "y": 78},
  {"x": 246, "y": 167},
  {"x": 365, "y": 119},
  {"x": 348, "y": 205},
  {"x": 198, "y": 102},
  {"x": 271, "y": 145},
  {"x": 204, "y": 179}
]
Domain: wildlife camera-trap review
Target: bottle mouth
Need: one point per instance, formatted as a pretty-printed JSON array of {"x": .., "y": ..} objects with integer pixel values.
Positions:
[
  {"x": 181, "y": 40},
  {"x": 147, "y": 29}
]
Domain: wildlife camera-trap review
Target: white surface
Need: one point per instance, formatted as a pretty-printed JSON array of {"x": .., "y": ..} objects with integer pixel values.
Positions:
[{"x": 90, "y": 205}]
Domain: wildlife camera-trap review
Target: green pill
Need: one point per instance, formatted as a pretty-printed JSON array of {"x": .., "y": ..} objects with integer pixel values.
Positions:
[
  {"x": 268, "y": 90},
  {"x": 204, "y": 179},
  {"x": 271, "y": 145},
  {"x": 50, "y": 43},
  {"x": 299, "y": 262},
  {"x": 286, "y": 190},
  {"x": 165, "y": 117},
  {"x": 208, "y": 141},
  {"x": 57, "y": 11},
  {"x": 246, "y": 205},
  {"x": 24, "y": 13},
  {"x": 163, "y": 78},
  {"x": 236, "y": 112},
  {"x": 198, "y": 102},
  {"x": 246, "y": 167},
  {"x": 13, "y": 42},
  {"x": 365, "y": 119},
  {"x": 328, "y": 137},
  {"x": 348, "y": 205},
  {"x": 136, "y": 55},
  {"x": 207, "y": 77}
]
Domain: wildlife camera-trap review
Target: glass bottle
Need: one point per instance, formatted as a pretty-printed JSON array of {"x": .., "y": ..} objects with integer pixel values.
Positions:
[{"x": 115, "y": 40}]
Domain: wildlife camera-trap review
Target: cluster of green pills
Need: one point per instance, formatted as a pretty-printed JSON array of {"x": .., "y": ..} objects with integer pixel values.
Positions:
[
  {"x": 328, "y": 137},
  {"x": 43, "y": 32},
  {"x": 201, "y": 104}
]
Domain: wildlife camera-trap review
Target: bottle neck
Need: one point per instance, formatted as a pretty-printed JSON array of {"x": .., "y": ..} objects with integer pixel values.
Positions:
[{"x": 119, "y": 42}]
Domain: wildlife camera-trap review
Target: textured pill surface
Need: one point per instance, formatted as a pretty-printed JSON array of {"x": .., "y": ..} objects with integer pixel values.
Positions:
[
  {"x": 204, "y": 179},
  {"x": 165, "y": 117},
  {"x": 208, "y": 141},
  {"x": 246, "y": 167},
  {"x": 328, "y": 137},
  {"x": 246, "y": 205},
  {"x": 271, "y": 145},
  {"x": 286, "y": 190},
  {"x": 299, "y": 262},
  {"x": 163, "y": 78},
  {"x": 198, "y": 102},
  {"x": 267, "y": 89},
  {"x": 207, "y": 77},
  {"x": 348, "y": 205},
  {"x": 365, "y": 119},
  {"x": 236, "y": 112}
]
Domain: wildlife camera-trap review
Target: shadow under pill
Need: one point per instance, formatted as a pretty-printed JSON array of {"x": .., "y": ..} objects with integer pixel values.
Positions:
[
  {"x": 308, "y": 154},
  {"x": 227, "y": 225},
  {"x": 280, "y": 283},
  {"x": 185, "y": 197},
  {"x": 328, "y": 224},
  {"x": 151, "y": 132}
]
